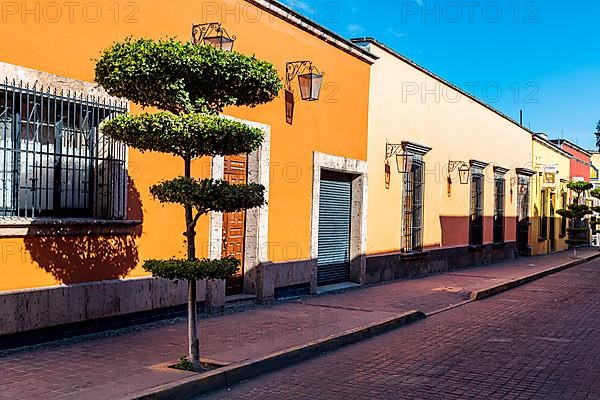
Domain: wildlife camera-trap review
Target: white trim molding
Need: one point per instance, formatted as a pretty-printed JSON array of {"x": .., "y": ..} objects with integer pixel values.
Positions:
[{"x": 358, "y": 235}]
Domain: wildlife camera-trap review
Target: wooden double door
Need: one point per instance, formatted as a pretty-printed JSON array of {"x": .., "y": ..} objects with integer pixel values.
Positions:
[{"x": 234, "y": 224}]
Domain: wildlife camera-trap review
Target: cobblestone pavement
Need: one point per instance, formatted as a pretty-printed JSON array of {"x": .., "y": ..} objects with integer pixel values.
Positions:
[
  {"x": 539, "y": 341},
  {"x": 115, "y": 364}
]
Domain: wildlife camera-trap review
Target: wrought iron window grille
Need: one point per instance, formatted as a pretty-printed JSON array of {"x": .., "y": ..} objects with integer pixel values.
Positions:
[{"x": 54, "y": 159}]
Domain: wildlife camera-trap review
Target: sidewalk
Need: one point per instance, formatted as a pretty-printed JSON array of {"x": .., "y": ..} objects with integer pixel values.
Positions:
[{"x": 118, "y": 364}]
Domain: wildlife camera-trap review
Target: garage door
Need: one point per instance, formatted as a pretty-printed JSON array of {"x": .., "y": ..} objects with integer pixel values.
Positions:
[{"x": 335, "y": 204}]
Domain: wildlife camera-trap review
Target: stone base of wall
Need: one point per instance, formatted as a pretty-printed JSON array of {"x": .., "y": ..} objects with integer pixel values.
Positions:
[
  {"x": 270, "y": 276},
  {"x": 76, "y": 309},
  {"x": 388, "y": 267}
]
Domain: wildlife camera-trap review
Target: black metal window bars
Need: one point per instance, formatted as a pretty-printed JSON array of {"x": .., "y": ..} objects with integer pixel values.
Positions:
[
  {"x": 412, "y": 229},
  {"x": 54, "y": 159},
  {"x": 476, "y": 214},
  {"x": 499, "y": 183}
]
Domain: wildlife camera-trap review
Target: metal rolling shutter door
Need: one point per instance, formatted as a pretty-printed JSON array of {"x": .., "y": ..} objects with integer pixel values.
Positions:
[{"x": 333, "y": 264}]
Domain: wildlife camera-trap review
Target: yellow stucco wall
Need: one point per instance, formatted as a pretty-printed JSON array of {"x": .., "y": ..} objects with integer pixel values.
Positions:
[
  {"x": 337, "y": 124},
  {"x": 457, "y": 129},
  {"x": 596, "y": 163},
  {"x": 545, "y": 154}
]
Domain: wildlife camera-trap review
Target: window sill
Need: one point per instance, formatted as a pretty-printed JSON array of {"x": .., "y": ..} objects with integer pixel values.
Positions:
[
  {"x": 542, "y": 239},
  {"x": 498, "y": 245},
  {"x": 25, "y": 227},
  {"x": 416, "y": 255},
  {"x": 475, "y": 247}
]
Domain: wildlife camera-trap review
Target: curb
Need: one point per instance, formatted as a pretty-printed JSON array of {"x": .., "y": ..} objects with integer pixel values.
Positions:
[
  {"x": 494, "y": 290},
  {"x": 228, "y": 375}
]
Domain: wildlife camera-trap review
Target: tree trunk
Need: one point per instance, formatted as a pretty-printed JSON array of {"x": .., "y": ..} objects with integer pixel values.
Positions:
[
  {"x": 190, "y": 234},
  {"x": 194, "y": 342}
]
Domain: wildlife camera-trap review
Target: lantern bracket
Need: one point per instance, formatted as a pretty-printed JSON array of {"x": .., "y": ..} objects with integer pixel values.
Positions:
[
  {"x": 202, "y": 31},
  {"x": 392, "y": 150},
  {"x": 295, "y": 68},
  {"x": 452, "y": 165}
]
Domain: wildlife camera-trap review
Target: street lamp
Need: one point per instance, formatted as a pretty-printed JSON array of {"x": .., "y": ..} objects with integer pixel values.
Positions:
[
  {"x": 310, "y": 79},
  {"x": 463, "y": 171},
  {"x": 212, "y": 34},
  {"x": 404, "y": 161}
]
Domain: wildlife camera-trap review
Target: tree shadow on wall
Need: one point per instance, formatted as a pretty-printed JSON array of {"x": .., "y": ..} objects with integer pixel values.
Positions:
[{"x": 91, "y": 257}]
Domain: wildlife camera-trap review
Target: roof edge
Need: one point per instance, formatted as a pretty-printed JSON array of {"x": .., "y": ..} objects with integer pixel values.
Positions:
[
  {"x": 410, "y": 62},
  {"x": 571, "y": 144},
  {"x": 550, "y": 145},
  {"x": 287, "y": 14}
]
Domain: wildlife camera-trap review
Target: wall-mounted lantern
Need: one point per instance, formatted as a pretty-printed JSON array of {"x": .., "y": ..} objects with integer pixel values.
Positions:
[
  {"x": 212, "y": 34},
  {"x": 463, "y": 171},
  {"x": 404, "y": 161},
  {"x": 309, "y": 79}
]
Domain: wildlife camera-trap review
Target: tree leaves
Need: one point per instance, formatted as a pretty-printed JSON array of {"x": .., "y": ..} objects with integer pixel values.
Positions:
[
  {"x": 579, "y": 186},
  {"x": 188, "y": 136},
  {"x": 209, "y": 195},
  {"x": 177, "y": 269},
  {"x": 184, "y": 77}
]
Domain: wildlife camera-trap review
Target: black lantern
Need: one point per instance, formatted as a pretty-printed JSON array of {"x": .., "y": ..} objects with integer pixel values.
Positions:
[
  {"x": 463, "y": 171},
  {"x": 404, "y": 163},
  {"x": 212, "y": 34},
  {"x": 310, "y": 79},
  {"x": 404, "y": 160}
]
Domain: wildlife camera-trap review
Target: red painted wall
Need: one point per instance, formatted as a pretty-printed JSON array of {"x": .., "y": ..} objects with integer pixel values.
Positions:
[{"x": 580, "y": 163}]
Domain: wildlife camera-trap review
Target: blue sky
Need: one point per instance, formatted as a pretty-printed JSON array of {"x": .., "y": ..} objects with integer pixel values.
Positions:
[{"x": 542, "y": 57}]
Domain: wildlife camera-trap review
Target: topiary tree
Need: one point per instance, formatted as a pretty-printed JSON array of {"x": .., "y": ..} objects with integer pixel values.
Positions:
[
  {"x": 575, "y": 212},
  {"x": 594, "y": 222},
  {"x": 190, "y": 85}
]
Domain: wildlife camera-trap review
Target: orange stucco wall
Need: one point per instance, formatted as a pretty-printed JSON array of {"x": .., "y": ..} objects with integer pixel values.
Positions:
[{"x": 337, "y": 124}]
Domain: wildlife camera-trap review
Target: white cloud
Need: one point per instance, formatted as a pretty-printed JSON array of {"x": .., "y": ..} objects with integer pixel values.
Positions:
[
  {"x": 397, "y": 34},
  {"x": 355, "y": 29}
]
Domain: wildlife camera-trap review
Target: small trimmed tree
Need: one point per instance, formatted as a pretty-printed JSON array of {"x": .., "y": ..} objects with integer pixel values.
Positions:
[
  {"x": 190, "y": 85},
  {"x": 594, "y": 222},
  {"x": 576, "y": 213}
]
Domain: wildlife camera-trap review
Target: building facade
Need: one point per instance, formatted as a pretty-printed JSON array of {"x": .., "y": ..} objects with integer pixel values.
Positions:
[
  {"x": 446, "y": 173},
  {"x": 78, "y": 219},
  {"x": 549, "y": 193}
]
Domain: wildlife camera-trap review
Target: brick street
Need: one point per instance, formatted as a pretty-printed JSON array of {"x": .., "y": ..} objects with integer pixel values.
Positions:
[{"x": 539, "y": 341}]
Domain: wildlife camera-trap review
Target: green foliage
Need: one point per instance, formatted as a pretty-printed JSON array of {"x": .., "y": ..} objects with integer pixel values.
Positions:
[
  {"x": 176, "y": 269},
  {"x": 575, "y": 211},
  {"x": 184, "y": 364},
  {"x": 209, "y": 194},
  {"x": 595, "y": 193},
  {"x": 576, "y": 242},
  {"x": 189, "y": 136},
  {"x": 579, "y": 187},
  {"x": 597, "y": 133},
  {"x": 183, "y": 77}
]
